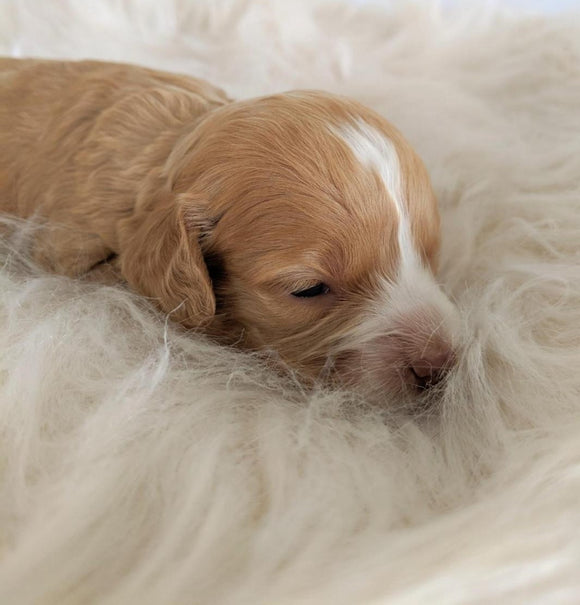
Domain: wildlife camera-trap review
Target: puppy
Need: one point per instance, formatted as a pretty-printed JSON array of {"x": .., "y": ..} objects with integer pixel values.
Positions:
[{"x": 301, "y": 222}]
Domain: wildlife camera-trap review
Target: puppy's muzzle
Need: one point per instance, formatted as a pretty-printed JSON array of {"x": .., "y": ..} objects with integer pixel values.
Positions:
[{"x": 431, "y": 367}]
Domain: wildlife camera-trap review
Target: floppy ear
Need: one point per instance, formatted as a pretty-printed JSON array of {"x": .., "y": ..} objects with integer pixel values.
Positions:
[{"x": 161, "y": 258}]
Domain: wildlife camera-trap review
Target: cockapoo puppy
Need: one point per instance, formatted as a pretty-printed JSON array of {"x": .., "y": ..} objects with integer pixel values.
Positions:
[{"x": 301, "y": 222}]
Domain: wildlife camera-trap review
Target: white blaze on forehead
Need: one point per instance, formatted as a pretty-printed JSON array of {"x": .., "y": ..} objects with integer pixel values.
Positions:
[
  {"x": 377, "y": 152},
  {"x": 414, "y": 294}
]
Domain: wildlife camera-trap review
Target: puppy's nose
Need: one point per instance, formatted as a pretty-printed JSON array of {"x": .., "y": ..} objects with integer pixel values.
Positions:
[{"x": 431, "y": 367}]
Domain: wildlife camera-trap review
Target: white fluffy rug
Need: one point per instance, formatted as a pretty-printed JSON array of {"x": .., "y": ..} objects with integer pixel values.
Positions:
[{"x": 141, "y": 466}]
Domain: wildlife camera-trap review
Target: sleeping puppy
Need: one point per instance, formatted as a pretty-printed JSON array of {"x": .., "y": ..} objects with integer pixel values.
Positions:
[{"x": 301, "y": 222}]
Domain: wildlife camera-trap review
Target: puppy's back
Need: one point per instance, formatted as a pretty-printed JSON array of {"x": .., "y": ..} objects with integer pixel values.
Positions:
[
  {"x": 49, "y": 109},
  {"x": 77, "y": 139}
]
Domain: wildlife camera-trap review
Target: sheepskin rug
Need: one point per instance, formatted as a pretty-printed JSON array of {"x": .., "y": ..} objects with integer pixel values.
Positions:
[{"x": 141, "y": 465}]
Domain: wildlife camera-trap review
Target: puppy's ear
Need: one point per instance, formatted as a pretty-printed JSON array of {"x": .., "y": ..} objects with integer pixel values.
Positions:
[{"x": 161, "y": 258}]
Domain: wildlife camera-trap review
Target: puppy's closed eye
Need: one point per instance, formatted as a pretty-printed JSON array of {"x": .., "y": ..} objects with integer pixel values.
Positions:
[{"x": 317, "y": 289}]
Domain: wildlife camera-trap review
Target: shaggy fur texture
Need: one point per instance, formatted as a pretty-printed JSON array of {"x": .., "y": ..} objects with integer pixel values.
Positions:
[{"x": 144, "y": 466}]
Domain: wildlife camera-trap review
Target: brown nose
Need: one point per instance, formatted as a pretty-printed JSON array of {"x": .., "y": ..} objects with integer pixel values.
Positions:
[{"x": 431, "y": 368}]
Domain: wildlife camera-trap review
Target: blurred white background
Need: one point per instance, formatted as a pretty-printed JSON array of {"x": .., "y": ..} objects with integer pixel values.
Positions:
[
  {"x": 548, "y": 6},
  {"x": 544, "y": 6}
]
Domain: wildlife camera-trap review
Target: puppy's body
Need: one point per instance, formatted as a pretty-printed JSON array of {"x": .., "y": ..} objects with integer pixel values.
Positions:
[
  {"x": 80, "y": 142},
  {"x": 302, "y": 221}
]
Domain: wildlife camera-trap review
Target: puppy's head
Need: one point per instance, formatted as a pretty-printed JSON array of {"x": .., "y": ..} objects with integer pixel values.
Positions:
[{"x": 318, "y": 233}]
